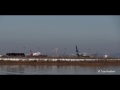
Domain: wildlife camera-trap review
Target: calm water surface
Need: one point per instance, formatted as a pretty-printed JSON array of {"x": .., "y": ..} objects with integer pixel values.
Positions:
[{"x": 58, "y": 70}]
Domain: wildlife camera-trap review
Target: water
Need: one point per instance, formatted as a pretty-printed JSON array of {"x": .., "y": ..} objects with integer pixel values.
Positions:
[{"x": 58, "y": 70}]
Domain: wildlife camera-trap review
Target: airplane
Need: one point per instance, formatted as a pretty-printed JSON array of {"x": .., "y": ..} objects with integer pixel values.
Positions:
[
  {"x": 94, "y": 55},
  {"x": 81, "y": 54},
  {"x": 37, "y": 54},
  {"x": 34, "y": 54}
]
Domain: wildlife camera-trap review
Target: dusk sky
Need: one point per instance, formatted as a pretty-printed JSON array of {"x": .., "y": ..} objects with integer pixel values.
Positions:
[{"x": 95, "y": 32}]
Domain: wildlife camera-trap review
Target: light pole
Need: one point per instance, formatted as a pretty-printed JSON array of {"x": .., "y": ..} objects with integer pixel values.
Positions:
[
  {"x": 53, "y": 51},
  {"x": 56, "y": 49},
  {"x": 24, "y": 49},
  {"x": 65, "y": 52},
  {"x": 89, "y": 52},
  {"x": 38, "y": 48}
]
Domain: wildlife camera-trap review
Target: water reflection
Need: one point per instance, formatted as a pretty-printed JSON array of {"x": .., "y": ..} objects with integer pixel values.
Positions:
[
  {"x": 12, "y": 69},
  {"x": 56, "y": 69}
]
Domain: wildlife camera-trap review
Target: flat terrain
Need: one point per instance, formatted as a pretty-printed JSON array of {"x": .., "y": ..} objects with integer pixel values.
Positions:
[{"x": 85, "y": 63}]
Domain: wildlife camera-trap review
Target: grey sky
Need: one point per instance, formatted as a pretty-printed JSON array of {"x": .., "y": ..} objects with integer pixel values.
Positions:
[{"x": 97, "y": 33}]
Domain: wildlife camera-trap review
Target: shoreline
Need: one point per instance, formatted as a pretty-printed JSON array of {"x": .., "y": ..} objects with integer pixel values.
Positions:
[{"x": 77, "y": 63}]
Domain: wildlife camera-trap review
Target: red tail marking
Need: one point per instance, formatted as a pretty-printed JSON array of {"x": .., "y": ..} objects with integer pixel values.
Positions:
[{"x": 31, "y": 54}]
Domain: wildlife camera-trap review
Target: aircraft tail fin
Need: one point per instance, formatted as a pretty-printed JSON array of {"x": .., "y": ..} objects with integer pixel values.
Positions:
[
  {"x": 31, "y": 54},
  {"x": 77, "y": 51}
]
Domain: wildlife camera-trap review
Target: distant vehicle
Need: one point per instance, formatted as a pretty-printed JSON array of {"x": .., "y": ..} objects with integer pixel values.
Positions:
[
  {"x": 105, "y": 56},
  {"x": 1, "y": 56}
]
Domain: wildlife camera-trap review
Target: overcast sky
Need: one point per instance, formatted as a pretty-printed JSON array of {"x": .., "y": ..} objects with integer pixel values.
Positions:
[{"x": 97, "y": 33}]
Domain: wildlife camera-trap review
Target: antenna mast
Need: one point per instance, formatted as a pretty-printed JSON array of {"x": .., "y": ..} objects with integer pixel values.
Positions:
[{"x": 56, "y": 49}]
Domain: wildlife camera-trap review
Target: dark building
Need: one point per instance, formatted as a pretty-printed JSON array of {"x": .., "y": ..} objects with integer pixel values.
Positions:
[{"x": 16, "y": 54}]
